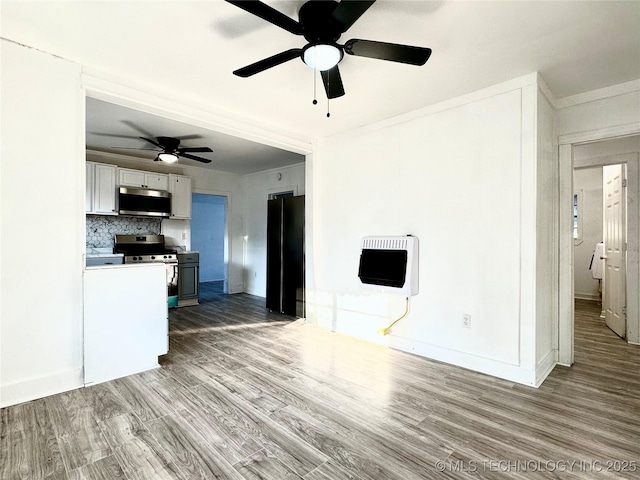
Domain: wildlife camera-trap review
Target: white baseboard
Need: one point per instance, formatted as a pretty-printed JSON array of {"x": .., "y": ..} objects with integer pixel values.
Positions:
[
  {"x": 40, "y": 387},
  {"x": 586, "y": 296},
  {"x": 546, "y": 366},
  {"x": 513, "y": 373}
]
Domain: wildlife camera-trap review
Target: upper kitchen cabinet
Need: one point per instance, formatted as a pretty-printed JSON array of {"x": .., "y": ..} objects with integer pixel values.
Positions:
[
  {"x": 101, "y": 189},
  {"x": 180, "y": 188},
  {"x": 140, "y": 179}
]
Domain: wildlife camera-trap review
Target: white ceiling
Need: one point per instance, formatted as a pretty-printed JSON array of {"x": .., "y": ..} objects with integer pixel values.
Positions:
[
  {"x": 117, "y": 129},
  {"x": 188, "y": 50}
]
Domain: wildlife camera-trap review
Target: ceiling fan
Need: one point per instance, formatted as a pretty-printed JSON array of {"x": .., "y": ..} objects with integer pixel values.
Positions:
[
  {"x": 171, "y": 150},
  {"x": 321, "y": 23}
]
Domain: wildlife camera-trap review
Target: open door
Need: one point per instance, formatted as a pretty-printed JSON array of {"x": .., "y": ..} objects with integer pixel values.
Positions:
[{"x": 614, "y": 298}]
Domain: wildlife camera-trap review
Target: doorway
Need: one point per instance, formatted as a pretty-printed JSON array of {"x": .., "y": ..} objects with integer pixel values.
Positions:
[
  {"x": 209, "y": 237},
  {"x": 586, "y": 151},
  {"x": 599, "y": 219}
]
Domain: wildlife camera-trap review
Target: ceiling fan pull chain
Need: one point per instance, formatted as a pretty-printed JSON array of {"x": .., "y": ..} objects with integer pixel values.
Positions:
[
  {"x": 315, "y": 74},
  {"x": 328, "y": 90}
]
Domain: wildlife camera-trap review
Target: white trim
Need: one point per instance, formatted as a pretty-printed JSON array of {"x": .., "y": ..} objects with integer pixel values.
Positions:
[
  {"x": 586, "y": 296},
  {"x": 545, "y": 366},
  {"x": 514, "y": 373},
  {"x": 40, "y": 387},
  {"x": 601, "y": 134},
  {"x": 180, "y": 110},
  {"x": 514, "y": 84},
  {"x": 546, "y": 91},
  {"x": 565, "y": 256},
  {"x": 274, "y": 169},
  {"x": 227, "y": 240},
  {"x": 599, "y": 94}
]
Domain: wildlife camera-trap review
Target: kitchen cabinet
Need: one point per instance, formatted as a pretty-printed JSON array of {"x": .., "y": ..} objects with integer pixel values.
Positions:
[
  {"x": 141, "y": 179},
  {"x": 188, "y": 278},
  {"x": 125, "y": 320},
  {"x": 180, "y": 189},
  {"x": 101, "y": 189},
  {"x": 89, "y": 186}
]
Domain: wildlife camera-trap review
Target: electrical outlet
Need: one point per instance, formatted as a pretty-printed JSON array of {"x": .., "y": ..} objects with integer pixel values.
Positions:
[
  {"x": 184, "y": 235},
  {"x": 466, "y": 320}
]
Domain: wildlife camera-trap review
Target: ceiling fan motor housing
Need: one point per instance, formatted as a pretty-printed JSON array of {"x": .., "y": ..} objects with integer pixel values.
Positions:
[
  {"x": 317, "y": 22},
  {"x": 169, "y": 144}
]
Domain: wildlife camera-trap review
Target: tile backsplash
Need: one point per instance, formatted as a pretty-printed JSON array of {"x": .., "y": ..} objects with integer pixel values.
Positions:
[{"x": 101, "y": 229}]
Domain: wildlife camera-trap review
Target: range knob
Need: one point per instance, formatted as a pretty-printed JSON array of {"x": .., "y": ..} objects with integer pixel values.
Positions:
[
  {"x": 152, "y": 257},
  {"x": 165, "y": 256}
]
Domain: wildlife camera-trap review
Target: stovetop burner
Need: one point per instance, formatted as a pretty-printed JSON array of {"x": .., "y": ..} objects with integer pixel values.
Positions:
[{"x": 144, "y": 249}]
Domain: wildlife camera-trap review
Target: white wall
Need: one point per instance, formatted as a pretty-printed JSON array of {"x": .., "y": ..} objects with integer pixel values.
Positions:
[
  {"x": 589, "y": 182},
  {"x": 42, "y": 224},
  {"x": 462, "y": 178},
  {"x": 257, "y": 188}
]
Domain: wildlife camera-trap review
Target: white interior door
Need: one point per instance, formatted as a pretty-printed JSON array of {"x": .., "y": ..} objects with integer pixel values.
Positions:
[{"x": 614, "y": 292}]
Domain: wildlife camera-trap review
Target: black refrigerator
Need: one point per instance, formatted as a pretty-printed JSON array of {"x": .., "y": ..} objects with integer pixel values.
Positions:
[{"x": 285, "y": 255}]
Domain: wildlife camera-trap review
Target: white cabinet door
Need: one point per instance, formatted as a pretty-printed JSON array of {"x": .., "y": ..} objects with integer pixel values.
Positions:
[
  {"x": 156, "y": 181},
  {"x": 131, "y": 178},
  {"x": 180, "y": 188},
  {"x": 104, "y": 197},
  {"x": 89, "y": 187},
  {"x": 142, "y": 179}
]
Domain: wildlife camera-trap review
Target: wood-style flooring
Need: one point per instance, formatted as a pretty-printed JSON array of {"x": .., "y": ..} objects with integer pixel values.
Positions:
[{"x": 246, "y": 394}]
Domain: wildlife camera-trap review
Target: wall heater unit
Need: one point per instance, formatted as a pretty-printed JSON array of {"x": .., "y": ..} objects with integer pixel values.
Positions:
[{"x": 390, "y": 264}]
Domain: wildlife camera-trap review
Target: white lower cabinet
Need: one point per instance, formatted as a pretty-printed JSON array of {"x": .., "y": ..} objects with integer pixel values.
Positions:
[{"x": 125, "y": 320}]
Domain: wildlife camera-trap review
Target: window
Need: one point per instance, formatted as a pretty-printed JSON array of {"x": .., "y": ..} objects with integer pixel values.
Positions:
[{"x": 577, "y": 218}]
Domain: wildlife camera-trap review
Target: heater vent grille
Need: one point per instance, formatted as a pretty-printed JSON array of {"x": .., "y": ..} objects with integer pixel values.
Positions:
[{"x": 385, "y": 243}]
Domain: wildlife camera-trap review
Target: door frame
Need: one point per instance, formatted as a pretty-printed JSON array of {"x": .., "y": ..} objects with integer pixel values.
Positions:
[
  {"x": 227, "y": 243},
  {"x": 565, "y": 240}
]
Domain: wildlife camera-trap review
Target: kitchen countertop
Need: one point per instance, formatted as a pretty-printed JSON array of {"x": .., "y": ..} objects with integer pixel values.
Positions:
[
  {"x": 102, "y": 252},
  {"x": 123, "y": 266}
]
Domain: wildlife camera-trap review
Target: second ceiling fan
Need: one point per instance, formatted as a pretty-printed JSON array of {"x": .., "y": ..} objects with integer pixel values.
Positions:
[{"x": 322, "y": 22}]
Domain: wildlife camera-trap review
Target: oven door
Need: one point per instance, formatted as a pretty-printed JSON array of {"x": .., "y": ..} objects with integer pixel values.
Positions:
[{"x": 172, "y": 284}]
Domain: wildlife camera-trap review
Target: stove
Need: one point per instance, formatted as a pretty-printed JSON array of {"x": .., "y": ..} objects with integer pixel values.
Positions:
[{"x": 144, "y": 249}]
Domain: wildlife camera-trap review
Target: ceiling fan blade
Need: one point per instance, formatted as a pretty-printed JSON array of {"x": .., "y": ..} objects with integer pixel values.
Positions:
[
  {"x": 388, "y": 51},
  {"x": 137, "y": 128},
  {"x": 269, "y": 14},
  {"x": 153, "y": 142},
  {"x": 188, "y": 137},
  {"x": 194, "y": 149},
  {"x": 347, "y": 12},
  {"x": 112, "y": 135},
  {"x": 332, "y": 83},
  {"x": 193, "y": 157},
  {"x": 267, "y": 63},
  {"x": 134, "y": 148}
]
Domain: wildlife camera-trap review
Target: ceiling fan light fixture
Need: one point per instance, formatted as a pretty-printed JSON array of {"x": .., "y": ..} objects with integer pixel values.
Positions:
[
  {"x": 168, "y": 157},
  {"x": 322, "y": 56}
]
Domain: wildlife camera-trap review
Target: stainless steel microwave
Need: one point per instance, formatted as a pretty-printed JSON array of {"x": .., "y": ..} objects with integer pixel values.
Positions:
[{"x": 144, "y": 202}]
